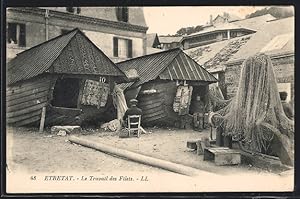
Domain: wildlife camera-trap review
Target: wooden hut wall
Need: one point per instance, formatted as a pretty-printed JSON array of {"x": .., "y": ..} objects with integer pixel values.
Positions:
[
  {"x": 158, "y": 107},
  {"x": 156, "y": 100},
  {"x": 131, "y": 93},
  {"x": 82, "y": 113},
  {"x": 25, "y": 100}
]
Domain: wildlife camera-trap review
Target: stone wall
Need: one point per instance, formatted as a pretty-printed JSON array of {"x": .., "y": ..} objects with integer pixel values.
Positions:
[{"x": 283, "y": 67}]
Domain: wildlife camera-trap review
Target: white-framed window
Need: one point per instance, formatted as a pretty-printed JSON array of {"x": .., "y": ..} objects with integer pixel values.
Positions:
[
  {"x": 16, "y": 34},
  {"x": 122, "y": 47}
]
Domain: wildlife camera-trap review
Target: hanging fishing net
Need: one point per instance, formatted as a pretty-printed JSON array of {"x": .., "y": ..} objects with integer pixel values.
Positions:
[{"x": 255, "y": 115}]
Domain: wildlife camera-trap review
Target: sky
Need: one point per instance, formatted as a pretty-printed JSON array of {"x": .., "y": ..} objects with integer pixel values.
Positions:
[{"x": 167, "y": 20}]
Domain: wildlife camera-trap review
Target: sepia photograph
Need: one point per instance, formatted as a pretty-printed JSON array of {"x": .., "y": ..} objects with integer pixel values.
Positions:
[{"x": 124, "y": 99}]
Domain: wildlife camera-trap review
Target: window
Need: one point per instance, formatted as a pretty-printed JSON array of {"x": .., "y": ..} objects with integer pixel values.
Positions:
[
  {"x": 64, "y": 31},
  {"x": 16, "y": 34},
  {"x": 122, "y": 14},
  {"x": 122, "y": 47},
  {"x": 233, "y": 34},
  {"x": 73, "y": 10},
  {"x": 70, "y": 9}
]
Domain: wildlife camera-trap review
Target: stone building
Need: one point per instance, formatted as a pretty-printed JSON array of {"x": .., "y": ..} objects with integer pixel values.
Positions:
[
  {"x": 120, "y": 32},
  {"x": 275, "y": 40},
  {"x": 223, "y": 59}
]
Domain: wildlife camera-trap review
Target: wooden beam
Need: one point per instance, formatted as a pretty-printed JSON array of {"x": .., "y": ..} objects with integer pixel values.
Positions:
[
  {"x": 163, "y": 164},
  {"x": 42, "y": 123}
]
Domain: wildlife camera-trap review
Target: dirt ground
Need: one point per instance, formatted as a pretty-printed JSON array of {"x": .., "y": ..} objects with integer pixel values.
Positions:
[
  {"x": 31, "y": 152},
  {"x": 45, "y": 152}
]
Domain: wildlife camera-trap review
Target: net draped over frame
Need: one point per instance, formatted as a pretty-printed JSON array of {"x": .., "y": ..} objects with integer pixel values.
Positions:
[{"x": 256, "y": 105}]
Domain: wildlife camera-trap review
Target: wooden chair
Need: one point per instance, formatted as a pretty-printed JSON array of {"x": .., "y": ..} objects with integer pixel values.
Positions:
[{"x": 134, "y": 123}]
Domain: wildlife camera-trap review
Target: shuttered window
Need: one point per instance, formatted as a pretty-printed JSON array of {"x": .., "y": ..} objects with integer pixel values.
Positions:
[
  {"x": 129, "y": 55},
  {"x": 16, "y": 34},
  {"x": 122, "y": 14},
  {"x": 122, "y": 48},
  {"x": 115, "y": 43}
]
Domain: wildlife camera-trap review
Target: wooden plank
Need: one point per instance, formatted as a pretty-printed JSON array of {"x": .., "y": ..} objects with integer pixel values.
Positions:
[
  {"x": 26, "y": 93},
  {"x": 153, "y": 110},
  {"x": 66, "y": 111},
  {"x": 42, "y": 123},
  {"x": 27, "y": 121},
  {"x": 26, "y": 104},
  {"x": 149, "y": 102},
  {"x": 143, "y": 98},
  {"x": 25, "y": 83},
  {"x": 25, "y": 111},
  {"x": 155, "y": 118},
  {"x": 149, "y": 106},
  {"x": 27, "y": 98},
  {"x": 59, "y": 120},
  {"x": 23, "y": 117},
  {"x": 27, "y": 87},
  {"x": 227, "y": 159},
  {"x": 222, "y": 156},
  {"x": 153, "y": 114}
]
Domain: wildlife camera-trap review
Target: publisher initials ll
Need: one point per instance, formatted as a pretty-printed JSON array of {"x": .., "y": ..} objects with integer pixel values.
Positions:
[{"x": 144, "y": 178}]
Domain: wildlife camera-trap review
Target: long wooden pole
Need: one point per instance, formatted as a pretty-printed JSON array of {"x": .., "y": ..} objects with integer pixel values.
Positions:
[{"x": 155, "y": 162}]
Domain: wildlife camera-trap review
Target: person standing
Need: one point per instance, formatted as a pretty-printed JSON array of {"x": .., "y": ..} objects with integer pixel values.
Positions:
[{"x": 286, "y": 106}]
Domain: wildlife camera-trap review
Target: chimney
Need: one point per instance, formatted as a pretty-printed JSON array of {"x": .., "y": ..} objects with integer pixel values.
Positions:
[
  {"x": 210, "y": 19},
  {"x": 226, "y": 16}
]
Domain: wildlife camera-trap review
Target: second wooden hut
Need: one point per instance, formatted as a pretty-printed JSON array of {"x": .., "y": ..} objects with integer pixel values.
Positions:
[{"x": 170, "y": 85}]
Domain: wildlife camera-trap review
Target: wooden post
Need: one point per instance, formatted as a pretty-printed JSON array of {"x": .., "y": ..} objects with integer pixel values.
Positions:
[
  {"x": 227, "y": 141},
  {"x": 219, "y": 136},
  {"x": 42, "y": 122}
]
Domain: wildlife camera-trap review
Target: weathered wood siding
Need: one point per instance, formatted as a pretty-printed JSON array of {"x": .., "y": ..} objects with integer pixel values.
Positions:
[
  {"x": 83, "y": 113},
  {"x": 25, "y": 100},
  {"x": 158, "y": 107}
]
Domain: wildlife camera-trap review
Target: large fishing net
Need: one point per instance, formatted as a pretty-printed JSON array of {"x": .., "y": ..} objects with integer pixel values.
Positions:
[{"x": 255, "y": 115}]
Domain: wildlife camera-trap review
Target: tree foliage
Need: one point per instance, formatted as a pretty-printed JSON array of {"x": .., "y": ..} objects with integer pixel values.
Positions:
[
  {"x": 278, "y": 12},
  {"x": 188, "y": 30}
]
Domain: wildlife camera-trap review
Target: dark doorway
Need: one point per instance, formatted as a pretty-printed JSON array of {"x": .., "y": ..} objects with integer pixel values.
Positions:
[
  {"x": 66, "y": 93},
  {"x": 198, "y": 100}
]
